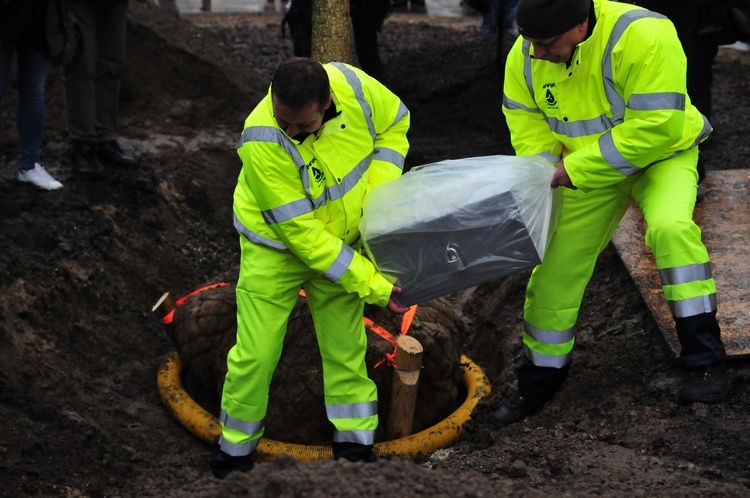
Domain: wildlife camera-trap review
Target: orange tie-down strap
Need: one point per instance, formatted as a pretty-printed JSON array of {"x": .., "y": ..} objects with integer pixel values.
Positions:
[
  {"x": 170, "y": 316},
  {"x": 390, "y": 358}
]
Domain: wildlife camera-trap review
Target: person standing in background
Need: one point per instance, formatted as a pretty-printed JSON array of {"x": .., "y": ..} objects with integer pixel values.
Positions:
[
  {"x": 21, "y": 34},
  {"x": 491, "y": 15},
  {"x": 92, "y": 87}
]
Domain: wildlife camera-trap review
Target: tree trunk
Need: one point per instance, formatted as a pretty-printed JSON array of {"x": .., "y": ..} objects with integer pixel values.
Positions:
[{"x": 330, "y": 31}]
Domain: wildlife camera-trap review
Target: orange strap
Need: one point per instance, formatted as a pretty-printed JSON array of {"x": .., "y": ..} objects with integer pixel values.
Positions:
[
  {"x": 170, "y": 316},
  {"x": 406, "y": 321},
  {"x": 390, "y": 358}
]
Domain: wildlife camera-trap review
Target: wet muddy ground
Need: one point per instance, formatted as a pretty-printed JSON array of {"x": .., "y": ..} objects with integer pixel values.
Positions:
[{"x": 80, "y": 269}]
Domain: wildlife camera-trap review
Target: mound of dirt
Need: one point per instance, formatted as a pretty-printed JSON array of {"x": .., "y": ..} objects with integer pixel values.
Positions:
[{"x": 81, "y": 267}]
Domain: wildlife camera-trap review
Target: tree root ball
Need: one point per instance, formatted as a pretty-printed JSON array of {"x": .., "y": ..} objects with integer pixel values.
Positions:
[{"x": 204, "y": 329}]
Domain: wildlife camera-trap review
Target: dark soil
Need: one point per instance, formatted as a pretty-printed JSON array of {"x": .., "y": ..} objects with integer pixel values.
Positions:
[{"x": 80, "y": 269}]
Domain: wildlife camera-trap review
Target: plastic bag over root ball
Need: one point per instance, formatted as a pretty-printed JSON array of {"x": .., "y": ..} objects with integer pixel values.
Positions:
[{"x": 454, "y": 224}]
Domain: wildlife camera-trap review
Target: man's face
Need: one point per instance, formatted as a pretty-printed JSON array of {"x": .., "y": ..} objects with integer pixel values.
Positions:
[
  {"x": 307, "y": 119},
  {"x": 559, "y": 49}
]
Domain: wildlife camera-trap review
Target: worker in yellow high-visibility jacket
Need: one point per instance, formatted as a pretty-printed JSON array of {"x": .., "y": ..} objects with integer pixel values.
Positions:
[
  {"x": 311, "y": 150},
  {"x": 598, "y": 88}
]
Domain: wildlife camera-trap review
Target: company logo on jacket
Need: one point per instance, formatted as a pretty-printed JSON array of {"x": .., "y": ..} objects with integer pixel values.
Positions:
[
  {"x": 316, "y": 173},
  {"x": 549, "y": 97}
]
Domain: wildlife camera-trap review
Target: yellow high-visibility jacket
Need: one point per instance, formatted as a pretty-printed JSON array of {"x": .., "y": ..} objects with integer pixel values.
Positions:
[
  {"x": 307, "y": 197},
  {"x": 619, "y": 106}
]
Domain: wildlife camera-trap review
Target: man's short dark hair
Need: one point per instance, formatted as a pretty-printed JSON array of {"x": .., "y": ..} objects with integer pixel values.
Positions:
[{"x": 299, "y": 81}]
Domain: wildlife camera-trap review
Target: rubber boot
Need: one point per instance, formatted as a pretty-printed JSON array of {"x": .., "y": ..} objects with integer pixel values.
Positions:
[
  {"x": 707, "y": 385},
  {"x": 354, "y": 452},
  {"x": 536, "y": 386},
  {"x": 222, "y": 464}
]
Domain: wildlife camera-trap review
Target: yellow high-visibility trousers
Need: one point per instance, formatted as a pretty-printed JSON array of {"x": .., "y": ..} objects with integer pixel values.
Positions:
[
  {"x": 267, "y": 291},
  {"x": 665, "y": 193}
]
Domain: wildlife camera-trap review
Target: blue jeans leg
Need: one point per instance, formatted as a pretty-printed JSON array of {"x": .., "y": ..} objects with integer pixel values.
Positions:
[
  {"x": 511, "y": 6},
  {"x": 489, "y": 19},
  {"x": 33, "y": 68}
]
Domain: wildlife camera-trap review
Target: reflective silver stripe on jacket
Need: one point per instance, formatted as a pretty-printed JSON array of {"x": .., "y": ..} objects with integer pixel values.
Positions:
[
  {"x": 350, "y": 181},
  {"x": 356, "y": 85},
  {"x": 582, "y": 127},
  {"x": 238, "y": 450},
  {"x": 249, "y": 428},
  {"x": 274, "y": 135},
  {"x": 613, "y": 156},
  {"x": 352, "y": 410},
  {"x": 340, "y": 264},
  {"x": 390, "y": 156},
  {"x": 697, "y": 272},
  {"x": 359, "y": 437},
  {"x": 617, "y": 106},
  {"x": 307, "y": 205},
  {"x": 602, "y": 123},
  {"x": 255, "y": 237},
  {"x": 694, "y": 306},
  {"x": 543, "y": 360},
  {"x": 549, "y": 336},
  {"x": 705, "y": 131},
  {"x": 512, "y": 104},
  {"x": 403, "y": 111},
  {"x": 526, "y": 49},
  {"x": 288, "y": 211},
  {"x": 657, "y": 101}
]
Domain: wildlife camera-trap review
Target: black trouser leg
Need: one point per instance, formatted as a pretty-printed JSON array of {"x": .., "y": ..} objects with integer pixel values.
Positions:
[{"x": 700, "y": 339}]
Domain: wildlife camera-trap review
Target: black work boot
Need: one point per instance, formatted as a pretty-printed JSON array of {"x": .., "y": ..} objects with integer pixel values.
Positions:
[
  {"x": 707, "y": 385},
  {"x": 538, "y": 385},
  {"x": 110, "y": 153},
  {"x": 354, "y": 452},
  {"x": 515, "y": 409},
  {"x": 83, "y": 161},
  {"x": 222, "y": 464}
]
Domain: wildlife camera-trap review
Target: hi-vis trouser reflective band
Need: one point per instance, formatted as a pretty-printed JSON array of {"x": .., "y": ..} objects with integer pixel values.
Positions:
[{"x": 666, "y": 194}]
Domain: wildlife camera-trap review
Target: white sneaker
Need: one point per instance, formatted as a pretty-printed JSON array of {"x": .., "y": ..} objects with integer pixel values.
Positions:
[{"x": 39, "y": 177}]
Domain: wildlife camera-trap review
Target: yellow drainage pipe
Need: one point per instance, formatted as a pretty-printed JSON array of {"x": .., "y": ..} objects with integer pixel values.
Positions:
[{"x": 206, "y": 427}]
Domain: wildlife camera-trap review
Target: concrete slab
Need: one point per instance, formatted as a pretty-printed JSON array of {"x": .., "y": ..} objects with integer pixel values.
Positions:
[{"x": 724, "y": 218}]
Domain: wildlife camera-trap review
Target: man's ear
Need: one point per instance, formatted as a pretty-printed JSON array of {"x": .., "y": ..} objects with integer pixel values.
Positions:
[
  {"x": 328, "y": 104},
  {"x": 584, "y": 26}
]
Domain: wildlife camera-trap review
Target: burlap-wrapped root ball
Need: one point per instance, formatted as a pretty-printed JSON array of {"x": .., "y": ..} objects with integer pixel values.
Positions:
[{"x": 204, "y": 329}]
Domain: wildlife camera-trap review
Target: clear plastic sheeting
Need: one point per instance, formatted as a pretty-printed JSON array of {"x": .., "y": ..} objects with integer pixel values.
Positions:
[{"x": 454, "y": 224}]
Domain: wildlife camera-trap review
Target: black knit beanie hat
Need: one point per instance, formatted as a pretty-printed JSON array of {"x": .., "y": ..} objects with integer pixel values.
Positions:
[{"x": 542, "y": 19}]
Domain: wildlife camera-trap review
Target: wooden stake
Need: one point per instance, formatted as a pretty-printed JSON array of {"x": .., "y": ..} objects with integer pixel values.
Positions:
[
  {"x": 164, "y": 305},
  {"x": 404, "y": 387}
]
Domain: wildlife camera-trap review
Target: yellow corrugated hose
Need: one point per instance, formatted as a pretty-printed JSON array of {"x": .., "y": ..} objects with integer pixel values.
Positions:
[{"x": 206, "y": 427}]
